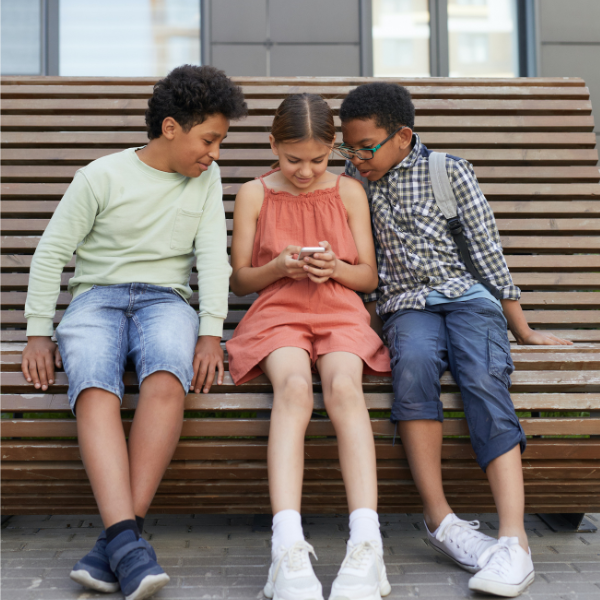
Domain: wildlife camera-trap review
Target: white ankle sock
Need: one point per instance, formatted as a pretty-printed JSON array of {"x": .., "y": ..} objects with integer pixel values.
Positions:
[
  {"x": 364, "y": 526},
  {"x": 287, "y": 529}
]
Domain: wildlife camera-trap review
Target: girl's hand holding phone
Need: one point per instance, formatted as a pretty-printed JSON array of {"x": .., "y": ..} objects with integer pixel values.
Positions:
[
  {"x": 288, "y": 266},
  {"x": 320, "y": 267}
]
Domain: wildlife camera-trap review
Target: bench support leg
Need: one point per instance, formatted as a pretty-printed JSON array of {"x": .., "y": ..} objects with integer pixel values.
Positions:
[{"x": 568, "y": 522}]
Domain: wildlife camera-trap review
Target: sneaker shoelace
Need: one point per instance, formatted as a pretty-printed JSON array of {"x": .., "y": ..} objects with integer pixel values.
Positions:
[
  {"x": 297, "y": 556},
  {"x": 496, "y": 559},
  {"x": 463, "y": 535},
  {"x": 357, "y": 557}
]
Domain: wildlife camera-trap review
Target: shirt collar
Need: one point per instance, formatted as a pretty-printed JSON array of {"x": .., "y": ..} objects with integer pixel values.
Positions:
[{"x": 410, "y": 160}]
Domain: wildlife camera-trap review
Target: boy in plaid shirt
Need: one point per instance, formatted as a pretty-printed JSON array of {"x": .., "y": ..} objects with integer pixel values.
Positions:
[{"x": 437, "y": 316}]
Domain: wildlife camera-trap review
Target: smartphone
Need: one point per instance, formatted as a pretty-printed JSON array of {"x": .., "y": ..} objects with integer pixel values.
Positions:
[{"x": 309, "y": 251}]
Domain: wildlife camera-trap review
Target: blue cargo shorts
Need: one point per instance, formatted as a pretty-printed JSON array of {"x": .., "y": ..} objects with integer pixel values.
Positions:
[
  {"x": 470, "y": 339},
  {"x": 102, "y": 328}
]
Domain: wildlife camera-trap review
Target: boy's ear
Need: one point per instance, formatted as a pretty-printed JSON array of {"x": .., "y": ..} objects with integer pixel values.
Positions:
[
  {"x": 169, "y": 127},
  {"x": 405, "y": 137},
  {"x": 273, "y": 145}
]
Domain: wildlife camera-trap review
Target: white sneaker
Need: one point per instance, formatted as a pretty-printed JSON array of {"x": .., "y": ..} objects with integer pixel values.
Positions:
[
  {"x": 362, "y": 575},
  {"x": 291, "y": 576},
  {"x": 506, "y": 569},
  {"x": 460, "y": 541}
]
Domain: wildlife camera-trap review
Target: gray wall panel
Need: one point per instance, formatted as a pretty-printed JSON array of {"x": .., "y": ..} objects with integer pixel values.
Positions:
[
  {"x": 238, "y": 20},
  {"x": 560, "y": 60},
  {"x": 570, "y": 21},
  {"x": 569, "y": 44},
  {"x": 240, "y": 59},
  {"x": 310, "y": 21},
  {"x": 315, "y": 60}
]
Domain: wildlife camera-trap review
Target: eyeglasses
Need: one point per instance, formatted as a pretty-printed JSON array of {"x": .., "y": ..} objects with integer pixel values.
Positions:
[{"x": 363, "y": 153}]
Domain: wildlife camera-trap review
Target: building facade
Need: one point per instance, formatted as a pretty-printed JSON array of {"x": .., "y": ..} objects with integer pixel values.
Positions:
[{"x": 398, "y": 38}]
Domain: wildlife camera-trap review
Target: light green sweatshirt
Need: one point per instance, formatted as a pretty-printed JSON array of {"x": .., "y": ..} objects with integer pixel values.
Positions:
[{"x": 130, "y": 223}]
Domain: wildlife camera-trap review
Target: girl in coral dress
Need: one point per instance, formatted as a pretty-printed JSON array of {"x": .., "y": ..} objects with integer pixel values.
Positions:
[{"x": 308, "y": 316}]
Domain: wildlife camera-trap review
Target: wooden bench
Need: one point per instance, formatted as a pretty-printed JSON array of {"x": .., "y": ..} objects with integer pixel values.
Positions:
[{"x": 534, "y": 151}]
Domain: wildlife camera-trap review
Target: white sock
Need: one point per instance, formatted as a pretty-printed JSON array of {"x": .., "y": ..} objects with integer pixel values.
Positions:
[
  {"x": 364, "y": 526},
  {"x": 287, "y": 529}
]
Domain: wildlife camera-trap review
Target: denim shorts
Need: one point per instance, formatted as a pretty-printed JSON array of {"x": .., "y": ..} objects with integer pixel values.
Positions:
[
  {"x": 152, "y": 326},
  {"x": 469, "y": 338}
]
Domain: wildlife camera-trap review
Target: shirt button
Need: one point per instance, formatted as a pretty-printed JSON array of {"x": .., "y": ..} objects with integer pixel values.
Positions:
[{"x": 425, "y": 279}]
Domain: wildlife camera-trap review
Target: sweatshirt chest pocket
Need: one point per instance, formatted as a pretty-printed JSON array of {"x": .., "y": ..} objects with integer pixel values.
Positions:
[{"x": 184, "y": 230}]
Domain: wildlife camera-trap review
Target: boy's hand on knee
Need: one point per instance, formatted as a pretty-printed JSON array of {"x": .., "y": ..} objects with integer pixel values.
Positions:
[
  {"x": 208, "y": 358},
  {"x": 40, "y": 356}
]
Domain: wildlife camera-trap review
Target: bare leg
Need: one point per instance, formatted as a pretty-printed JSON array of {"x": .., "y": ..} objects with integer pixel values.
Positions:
[
  {"x": 154, "y": 435},
  {"x": 289, "y": 372},
  {"x": 341, "y": 375},
  {"x": 104, "y": 453},
  {"x": 505, "y": 475},
  {"x": 422, "y": 442}
]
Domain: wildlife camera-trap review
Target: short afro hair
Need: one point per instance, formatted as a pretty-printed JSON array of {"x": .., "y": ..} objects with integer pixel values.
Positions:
[
  {"x": 190, "y": 94},
  {"x": 389, "y": 104}
]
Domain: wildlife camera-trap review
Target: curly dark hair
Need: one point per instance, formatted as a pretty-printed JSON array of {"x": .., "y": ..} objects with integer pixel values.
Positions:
[
  {"x": 389, "y": 104},
  {"x": 191, "y": 93}
]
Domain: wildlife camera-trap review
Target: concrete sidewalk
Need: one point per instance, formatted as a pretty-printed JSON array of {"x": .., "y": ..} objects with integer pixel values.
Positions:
[{"x": 227, "y": 557}]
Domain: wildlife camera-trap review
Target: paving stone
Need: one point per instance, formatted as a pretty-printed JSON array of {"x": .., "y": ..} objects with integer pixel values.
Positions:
[{"x": 219, "y": 556}]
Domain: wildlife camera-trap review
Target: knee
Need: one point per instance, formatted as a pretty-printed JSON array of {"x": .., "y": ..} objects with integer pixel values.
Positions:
[
  {"x": 164, "y": 385},
  {"x": 296, "y": 393},
  {"x": 344, "y": 394}
]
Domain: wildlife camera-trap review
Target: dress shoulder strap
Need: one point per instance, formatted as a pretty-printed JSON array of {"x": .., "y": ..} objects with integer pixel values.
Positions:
[{"x": 268, "y": 189}]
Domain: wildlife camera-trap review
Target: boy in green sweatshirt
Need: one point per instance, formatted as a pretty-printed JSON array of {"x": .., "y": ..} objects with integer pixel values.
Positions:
[{"x": 137, "y": 221}]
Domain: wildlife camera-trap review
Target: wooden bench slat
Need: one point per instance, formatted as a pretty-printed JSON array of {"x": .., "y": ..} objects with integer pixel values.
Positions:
[
  {"x": 136, "y": 122},
  {"x": 279, "y": 92},
  {"x": 438, "y": 139},
  {"x": 244, "y": 401},
  {"x": 50, "y": 173},
  {"x": 310, "y": 81},
  {"x": 516, "y": 263},
  {"x": 511, "y": 243},
  {"x": 537, "y": 225},
  {"x": 550, "y": 300},
  {"x": 320, "y": 470},
  {"x": 577, "y": 336},
  {"x": 522, "y": 381},
  {"x": 256, "y": 449},
  {"x": 478, "y": 156},
  {"x": 439, "y": 106}
]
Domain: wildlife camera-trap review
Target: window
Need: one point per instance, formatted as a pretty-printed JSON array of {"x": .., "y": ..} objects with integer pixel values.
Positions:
[
  {"x": 21, "y": 37},
  {"x": 482, "y": 38},
  {"x": 120, "y": 38},
  {"x": 456, "y": 38},
  {"x": 401, "y": 38}
]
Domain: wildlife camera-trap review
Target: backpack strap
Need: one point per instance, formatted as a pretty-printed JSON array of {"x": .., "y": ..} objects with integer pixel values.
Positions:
[{"x": 446, "y": 201}]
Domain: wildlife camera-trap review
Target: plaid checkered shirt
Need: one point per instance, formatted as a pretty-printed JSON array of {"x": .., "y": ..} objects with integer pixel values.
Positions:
[{"x": 416, "y": 253}]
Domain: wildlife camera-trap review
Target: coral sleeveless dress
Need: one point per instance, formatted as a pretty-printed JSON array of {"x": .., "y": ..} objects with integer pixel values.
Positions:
[{"x": 320, "y": 318}]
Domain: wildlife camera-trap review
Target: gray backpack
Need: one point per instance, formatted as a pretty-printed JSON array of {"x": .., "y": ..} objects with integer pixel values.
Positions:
[{"x": 446, "y": 201}]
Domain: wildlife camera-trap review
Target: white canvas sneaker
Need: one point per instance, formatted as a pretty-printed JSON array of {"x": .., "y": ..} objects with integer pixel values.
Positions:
[
  {"x": 291, "y": 576},
  {"x": 460, "y": 541},
  {"x": 362, "y": 575},
  {"x": 506, "y": 569}
]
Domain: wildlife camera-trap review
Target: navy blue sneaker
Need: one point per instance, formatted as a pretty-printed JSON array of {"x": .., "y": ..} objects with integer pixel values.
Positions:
[
  {"x": 138, "y": 573},
  {"x": 93, "y": 570}
]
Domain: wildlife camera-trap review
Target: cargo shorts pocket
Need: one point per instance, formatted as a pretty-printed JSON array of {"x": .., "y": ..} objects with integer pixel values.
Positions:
[
  {"x": 500, "y": 364},
  {"x": 184, "y": 230}
]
